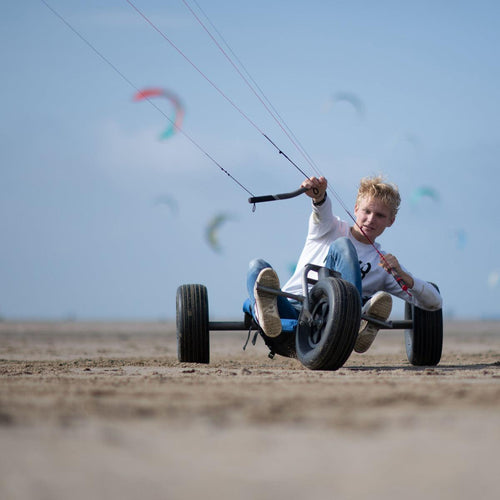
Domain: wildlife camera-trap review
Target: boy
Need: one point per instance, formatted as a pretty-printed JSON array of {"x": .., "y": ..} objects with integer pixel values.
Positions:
[{"x": 350, "y": 250}]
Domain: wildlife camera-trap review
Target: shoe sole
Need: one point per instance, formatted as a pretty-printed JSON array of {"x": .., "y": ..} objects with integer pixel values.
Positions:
[
  {"x": 380, "y": 309},
  {"x": 365, "y": 339},
  {"x": 269, "y": 319}
]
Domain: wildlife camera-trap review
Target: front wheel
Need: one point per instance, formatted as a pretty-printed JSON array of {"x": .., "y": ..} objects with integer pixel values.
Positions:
[{"x": 327, "y": 340}]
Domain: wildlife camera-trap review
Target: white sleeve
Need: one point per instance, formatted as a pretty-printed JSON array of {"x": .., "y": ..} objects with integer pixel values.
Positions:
[
  {"x": 322, "y": 221},
  {"x": 425, "y": 295}
]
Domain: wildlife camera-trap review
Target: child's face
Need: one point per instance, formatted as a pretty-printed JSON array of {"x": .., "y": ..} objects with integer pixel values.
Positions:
[{"x": 372, "y": 216}]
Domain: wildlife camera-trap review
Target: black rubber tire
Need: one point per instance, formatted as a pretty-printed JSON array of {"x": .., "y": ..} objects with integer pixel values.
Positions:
[
  {"x": 193, "y": 336},
  {"x": 336, "y": 309},
  {"x": 424, "y": 342}
]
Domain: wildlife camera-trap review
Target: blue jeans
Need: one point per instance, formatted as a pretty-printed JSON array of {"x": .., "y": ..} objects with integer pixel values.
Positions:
[{"x": 341, "y": 257}]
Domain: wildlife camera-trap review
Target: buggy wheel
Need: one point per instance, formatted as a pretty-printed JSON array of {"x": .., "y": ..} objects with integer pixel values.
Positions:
[
  {"x": 193, "y": 343},
  {"x": 327, "y": 341},
  {"x": 424, "y": 342}
]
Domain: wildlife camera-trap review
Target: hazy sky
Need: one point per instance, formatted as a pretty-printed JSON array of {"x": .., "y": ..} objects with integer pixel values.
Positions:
[{"x": 85, "y": 233}]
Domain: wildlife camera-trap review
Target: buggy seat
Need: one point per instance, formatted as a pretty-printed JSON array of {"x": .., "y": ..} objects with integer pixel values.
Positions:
[{"x": 287, "y": 325}]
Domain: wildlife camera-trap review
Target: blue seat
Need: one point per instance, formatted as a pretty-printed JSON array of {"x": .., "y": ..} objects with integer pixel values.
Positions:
[{"x": 287, "y": 325}]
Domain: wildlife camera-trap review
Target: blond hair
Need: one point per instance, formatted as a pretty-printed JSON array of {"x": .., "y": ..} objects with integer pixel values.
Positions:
[{"x": 376, "y": 187}]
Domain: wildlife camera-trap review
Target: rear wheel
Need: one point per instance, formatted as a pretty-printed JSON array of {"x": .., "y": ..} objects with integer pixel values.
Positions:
[
  {"x": 424, "y": 342},
  {"x": 327, "y": 341},
  {"x": 193, "y": 340}
]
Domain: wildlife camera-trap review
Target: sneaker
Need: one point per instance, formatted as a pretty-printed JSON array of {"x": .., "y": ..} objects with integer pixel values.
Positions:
[
  {"x": 266, "y": 304},
  {"x": 379, "y": 306}
]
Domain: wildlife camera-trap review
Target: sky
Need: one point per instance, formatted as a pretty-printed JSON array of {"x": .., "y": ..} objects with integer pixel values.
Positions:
[{"x": 102, "y": 219}]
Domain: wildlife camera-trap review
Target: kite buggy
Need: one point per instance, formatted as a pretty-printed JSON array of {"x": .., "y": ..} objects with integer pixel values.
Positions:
[
  {"x": 322, "y": 338},
  {"x": 324, "y": 335}
]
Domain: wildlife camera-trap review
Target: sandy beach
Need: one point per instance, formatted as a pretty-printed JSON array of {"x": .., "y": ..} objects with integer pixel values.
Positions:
[{"x": 92, "y": 410}]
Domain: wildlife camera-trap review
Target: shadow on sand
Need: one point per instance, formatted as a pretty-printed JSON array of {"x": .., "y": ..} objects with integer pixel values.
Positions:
[{"x": 428, "y": 369}]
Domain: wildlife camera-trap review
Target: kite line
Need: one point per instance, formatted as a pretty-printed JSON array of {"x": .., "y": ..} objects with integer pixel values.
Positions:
[
  {"x": 262, "y": 99},
  {"x": 257, "y": 91},
  {"x": 274, "y": 114},
  {"x": 216, "y": 87},
  {"x": 177, "y": 127}
]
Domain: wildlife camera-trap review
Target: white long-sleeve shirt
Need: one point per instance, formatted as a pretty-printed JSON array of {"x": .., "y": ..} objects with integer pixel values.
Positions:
[{"x": 324, "y": 228}]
